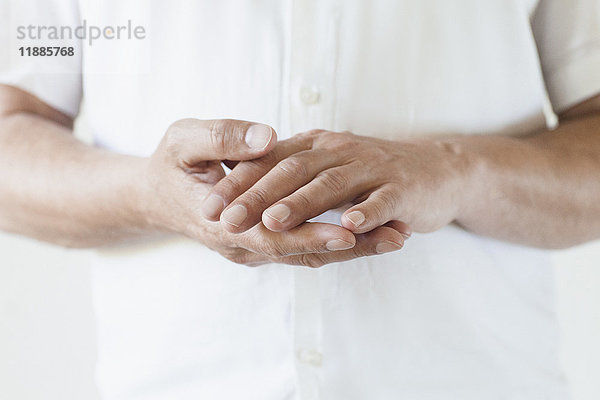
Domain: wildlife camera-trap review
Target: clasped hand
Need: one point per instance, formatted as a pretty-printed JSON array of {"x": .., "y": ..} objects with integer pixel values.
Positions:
[{"x": 257, "y": 214}]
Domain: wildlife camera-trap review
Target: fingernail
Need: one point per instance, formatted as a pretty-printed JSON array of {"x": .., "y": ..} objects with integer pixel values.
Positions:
[
  {"x": 213, "y": 205},
  {"x": 235, "y": 215},
  {"x": 279, "y": 213},
  {"x": 338, "y": 244},
  {"x": 387, "y": 247},
  {"x": 356, "y": 217},
  {"x": 258, "y": 136},
  {"x": 405, "y": 235}
]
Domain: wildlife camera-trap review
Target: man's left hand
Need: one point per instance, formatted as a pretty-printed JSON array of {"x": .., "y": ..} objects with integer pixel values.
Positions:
[{"x": 421, "y": 182}]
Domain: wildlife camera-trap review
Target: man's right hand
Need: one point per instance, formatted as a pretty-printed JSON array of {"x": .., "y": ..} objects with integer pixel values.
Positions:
[{"x": 187, "y": 163}]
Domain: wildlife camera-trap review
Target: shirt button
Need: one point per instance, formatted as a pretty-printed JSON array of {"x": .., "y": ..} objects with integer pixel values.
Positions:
[
  {"x": 309, "y": 95},
  {"x": 311, "y": 357}
]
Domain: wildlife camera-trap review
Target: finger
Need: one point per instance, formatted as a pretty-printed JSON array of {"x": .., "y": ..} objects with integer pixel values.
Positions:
[
  {"x": 249, "y": 258},
  {"x": 195, "y": 140},
  {"x": 379, "y": 208},
  {"x": 401, "y": 227},
  {"x": 329, "y": 189},
  {"x": 244, "y": 175},
  {"x": 306, "y": 238},
  {"x": 288, "y": 175},
  {"x": 380, "y": 240}
]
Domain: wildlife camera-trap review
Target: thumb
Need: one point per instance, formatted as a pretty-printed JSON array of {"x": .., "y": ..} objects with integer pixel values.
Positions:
[{"x": 195, "y": 140}]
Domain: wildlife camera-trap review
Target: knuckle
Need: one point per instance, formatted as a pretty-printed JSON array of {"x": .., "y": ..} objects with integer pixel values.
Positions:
[
  {"x": 229, "y": 186},
  {"x": 256, "y": 196},
  {"x": 174, "y": 136},
  {"x": 303, "y": 259},
  {"x": 301, "y": 200},
  {"x": 364, "y": 250},
  {"x": 235, "y": 256},
  {"x": 378, "y": 153},
  {"x": 291, "y": 260},
  {"x": 263, "y": 163},
  {"x": 361, "y": 164},
  {"x": 270, "y": 248},
  {"x": 268, "y": 160},
  {"x": 341, "y": 136},
  {"x": 309, "y": 138},
  {"x": 378, "y": 210},
  {"x": 217, "y": 135},
  {"x": 334, "y": 180},
  {"x": 273, "y": 250},
  {"x": 293, "y": 166},
  {"x": 333, "y": 139},
  {"x": 362, "y": 253},
  {"x": 384, "y": 204},
  {"x": 236, "y": 259},
  {"x": 344, "y": 147},
  {"x": 177, "y": 126},
  {"x": 311, "y": 134},
  {"x": 311, "y": 260},
  {"x": 316, "y": 261},
  {"x": 372, "y": 158}
]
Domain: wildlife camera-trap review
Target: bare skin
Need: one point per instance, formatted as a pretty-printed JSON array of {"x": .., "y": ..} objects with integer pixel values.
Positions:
[
  {"x": 540, "y": 191},
  {"x": 57, "y": 189}
]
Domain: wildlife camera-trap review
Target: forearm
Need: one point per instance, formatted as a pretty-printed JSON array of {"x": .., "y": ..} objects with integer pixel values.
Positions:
[
  {"x": 541, "y": 191},
  {"x": 55, "y": 188}
]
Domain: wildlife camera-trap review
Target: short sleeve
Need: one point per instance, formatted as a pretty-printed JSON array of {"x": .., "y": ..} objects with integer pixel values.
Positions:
[
  {"x": 34, "y": 24},
  {"x": 567, "y": 33}
]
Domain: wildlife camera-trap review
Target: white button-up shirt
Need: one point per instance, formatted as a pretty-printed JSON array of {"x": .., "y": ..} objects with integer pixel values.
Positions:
[{"x": 452, "y": 316}]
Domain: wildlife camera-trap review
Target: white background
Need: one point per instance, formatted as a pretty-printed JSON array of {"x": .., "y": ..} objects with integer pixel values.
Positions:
[{"x": 47, "y": 344}]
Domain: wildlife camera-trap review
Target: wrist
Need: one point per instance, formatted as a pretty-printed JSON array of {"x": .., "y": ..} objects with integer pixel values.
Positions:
[
  {"x": 141, "y": 201},
  {"x": 469, "y": 168},
  {"x": 464, "y": 167}
]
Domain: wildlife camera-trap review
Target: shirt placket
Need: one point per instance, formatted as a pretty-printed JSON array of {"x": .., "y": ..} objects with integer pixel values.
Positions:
[
  {"x": 312, "y": 65},
  {"x": 313, "y": 59}
]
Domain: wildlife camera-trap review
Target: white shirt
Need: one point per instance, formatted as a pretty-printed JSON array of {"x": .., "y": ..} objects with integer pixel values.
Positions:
[{"x": 452, "y": 316}]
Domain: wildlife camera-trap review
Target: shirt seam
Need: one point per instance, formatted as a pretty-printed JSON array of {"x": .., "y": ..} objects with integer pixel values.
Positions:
[{"x": 570, "y": 56}]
